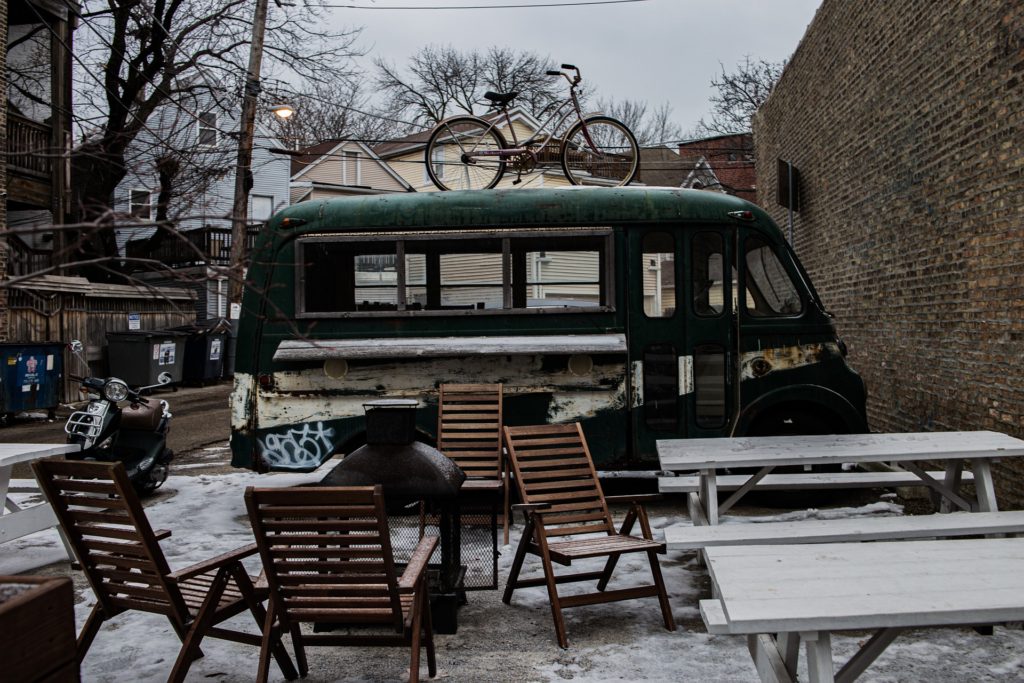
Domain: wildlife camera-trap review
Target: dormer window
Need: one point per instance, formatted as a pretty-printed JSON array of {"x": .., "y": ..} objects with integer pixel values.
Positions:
[{"x": 208, "y": 129}]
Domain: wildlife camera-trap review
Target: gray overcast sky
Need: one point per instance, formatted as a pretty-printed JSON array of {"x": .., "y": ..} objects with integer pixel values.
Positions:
[{"x": 656, "y": 50}]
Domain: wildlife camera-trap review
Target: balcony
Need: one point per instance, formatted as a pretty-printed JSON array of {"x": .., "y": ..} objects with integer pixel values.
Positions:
[
  {"x": 201, "y": 246},
  {"x": 31, "y": 161}
]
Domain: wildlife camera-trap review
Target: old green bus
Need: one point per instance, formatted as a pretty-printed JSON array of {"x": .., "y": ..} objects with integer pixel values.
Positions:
[{"x": 643, "y": 313}]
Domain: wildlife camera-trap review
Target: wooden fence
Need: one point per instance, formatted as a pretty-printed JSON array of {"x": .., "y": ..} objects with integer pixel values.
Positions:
[{"x": 59, "y": 309}]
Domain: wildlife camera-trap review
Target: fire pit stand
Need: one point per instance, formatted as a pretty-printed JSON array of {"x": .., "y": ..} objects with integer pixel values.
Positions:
[{"x": 421, "y": 492}]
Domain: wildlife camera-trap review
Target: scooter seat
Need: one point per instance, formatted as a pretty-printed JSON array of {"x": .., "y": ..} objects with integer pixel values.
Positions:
[{"x": 142, "y": 416}]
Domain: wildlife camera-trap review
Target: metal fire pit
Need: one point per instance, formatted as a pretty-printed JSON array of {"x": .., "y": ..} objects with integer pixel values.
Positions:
[{"x": 416, "y": 477}]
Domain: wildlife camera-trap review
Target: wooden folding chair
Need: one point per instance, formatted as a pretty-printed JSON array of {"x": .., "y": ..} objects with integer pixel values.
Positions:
[
  {"x": 469, "y": 422},
  {"x": 122, "y": 559},
  {"x": 327, "y": 556},
  {"x": 562, "y": 497}
]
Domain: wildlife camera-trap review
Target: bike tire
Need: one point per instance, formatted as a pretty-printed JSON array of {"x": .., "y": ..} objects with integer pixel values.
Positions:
[
  {"x": 614, "y": 162},
  {"x": 450, "y": 141}
]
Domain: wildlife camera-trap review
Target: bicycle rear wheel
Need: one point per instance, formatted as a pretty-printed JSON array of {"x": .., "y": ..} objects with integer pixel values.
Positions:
[
  {"x": 457, "y": 154},
  {"x": 600, "y": 151}
]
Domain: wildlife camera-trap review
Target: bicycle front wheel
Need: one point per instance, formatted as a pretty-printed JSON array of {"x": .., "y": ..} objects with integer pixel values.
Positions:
[
  {"x": 462, "y": 154},
  {"x": 600, "y": 151}
]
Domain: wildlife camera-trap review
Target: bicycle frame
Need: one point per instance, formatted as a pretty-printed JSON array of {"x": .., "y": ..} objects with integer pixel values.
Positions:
[{"x": 525, "y": 147}]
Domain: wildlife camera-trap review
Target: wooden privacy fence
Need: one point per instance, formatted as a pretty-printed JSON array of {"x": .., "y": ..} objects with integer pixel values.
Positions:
[{"x": 59, "y": 309}]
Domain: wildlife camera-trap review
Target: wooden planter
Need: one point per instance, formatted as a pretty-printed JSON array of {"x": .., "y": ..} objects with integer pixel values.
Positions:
[{"x": 37, "y": 620}]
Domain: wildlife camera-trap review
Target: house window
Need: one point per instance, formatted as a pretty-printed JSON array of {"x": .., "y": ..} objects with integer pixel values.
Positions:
[
  {"x": 437, "y": 159},
  {"x": 351, "y": 174},
  {"x": 140, "y": 204},
  {"x": 208, "y": 129},
  {"x": 262, "y": 208}
]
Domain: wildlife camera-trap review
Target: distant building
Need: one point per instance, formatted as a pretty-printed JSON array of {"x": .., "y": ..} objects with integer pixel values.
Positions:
[
  {"x": 341, "y": 168},
  {"x": 724, "y": 163}
]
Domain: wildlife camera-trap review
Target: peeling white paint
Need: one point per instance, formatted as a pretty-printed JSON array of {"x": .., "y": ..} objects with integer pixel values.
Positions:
[
  {"x": 241, "y": 393},
  {"x": 786, "y": 358},
  {"x": 568, "y": 407},
  {"x": 637, "y": 399},
  {"x": 685, "y": 375}
]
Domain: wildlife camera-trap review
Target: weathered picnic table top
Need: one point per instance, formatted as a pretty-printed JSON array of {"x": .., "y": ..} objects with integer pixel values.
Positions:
[
  {"x": 759, "y": 451},
  {"x": 849, "y": 586}
]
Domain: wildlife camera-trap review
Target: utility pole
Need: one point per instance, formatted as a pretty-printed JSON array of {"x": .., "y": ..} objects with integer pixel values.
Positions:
[{"x": 243, "y": 177}]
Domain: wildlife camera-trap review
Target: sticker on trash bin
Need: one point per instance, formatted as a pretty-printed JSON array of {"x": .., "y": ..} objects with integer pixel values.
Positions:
[
  {"x": 166, "y": 353},
  {"x": 215, "y": 349}
]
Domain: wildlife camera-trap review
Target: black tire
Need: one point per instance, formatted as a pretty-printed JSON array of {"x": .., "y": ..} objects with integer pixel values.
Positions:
[
  {"x": 600, "y": 150},
  {"x": 447, "y": 150}
]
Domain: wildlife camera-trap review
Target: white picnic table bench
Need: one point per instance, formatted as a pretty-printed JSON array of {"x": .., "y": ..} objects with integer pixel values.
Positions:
[
  {"x": 17, "y": 521},
  {"x": 780, "y": 596},
  {"x": 765, "y": 453}
]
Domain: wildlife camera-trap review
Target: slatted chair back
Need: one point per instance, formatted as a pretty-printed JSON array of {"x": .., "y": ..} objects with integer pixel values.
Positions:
[
  {"x": 111, "y": 536},
  {"x": 469, "y": 423},
  {"x": 552, "y": 466},
  {"x": 327, "y": 554}
]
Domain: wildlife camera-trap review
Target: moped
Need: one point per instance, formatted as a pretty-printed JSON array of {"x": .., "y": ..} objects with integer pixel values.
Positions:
[{"x": 119, "y": 424}]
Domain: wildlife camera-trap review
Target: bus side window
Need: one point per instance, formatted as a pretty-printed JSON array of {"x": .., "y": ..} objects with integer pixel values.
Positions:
[
  {"x": 706, "y": 269},
  {"x": 709, "y": 386},
  {"x": 770, "y": 291},
  {"x": 659, "y": 275}
]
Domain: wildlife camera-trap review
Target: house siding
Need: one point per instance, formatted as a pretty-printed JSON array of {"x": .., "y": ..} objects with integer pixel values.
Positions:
[{"x": 906, "y": 122}]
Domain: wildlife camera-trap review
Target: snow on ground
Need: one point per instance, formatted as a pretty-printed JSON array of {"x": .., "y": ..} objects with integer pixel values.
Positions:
[{"x": 623, "y": 641}]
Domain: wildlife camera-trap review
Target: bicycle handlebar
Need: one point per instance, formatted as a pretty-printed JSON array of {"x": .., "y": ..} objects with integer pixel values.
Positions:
[
  {"x": 569, "y": 66},
  {"x": 554, "y": 73}
]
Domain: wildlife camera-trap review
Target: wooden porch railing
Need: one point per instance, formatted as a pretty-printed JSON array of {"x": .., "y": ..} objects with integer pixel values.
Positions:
[
  {"x": 201, "y": 246},
  {"x": 29, "y": 146},
  {"x": 23, "y": 259}
]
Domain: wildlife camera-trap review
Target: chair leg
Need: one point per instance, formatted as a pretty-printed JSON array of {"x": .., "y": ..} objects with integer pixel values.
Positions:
[
  {"x": 556, "y": 604},
  {"x": 428, "y": 635},
  {"x": 199, "y": 627},
  {"x": 415, "y": 634},
  {"x": 248, "y": 592},
  {"x": 609, "y": 566},
  {"x": 89, "y": 631},
  {"x": 263, "y": 672},
  {"x": 300, "y": 649},
  {"x": 659, "y": 581},
  {"x": 517, "y": 562}
]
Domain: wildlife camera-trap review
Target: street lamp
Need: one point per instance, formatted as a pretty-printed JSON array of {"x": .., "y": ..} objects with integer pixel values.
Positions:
[{"x": 282, "y": 111}]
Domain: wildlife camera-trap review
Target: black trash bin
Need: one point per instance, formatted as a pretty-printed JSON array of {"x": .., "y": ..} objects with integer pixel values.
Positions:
[
  {"x": 30, "y": 377},
  {"x": 205, "y": 350},
  {"x": 138, "y": 357}
]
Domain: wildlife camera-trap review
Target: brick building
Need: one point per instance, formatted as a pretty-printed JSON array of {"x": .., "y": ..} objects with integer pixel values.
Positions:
[{"x": 906, "y": 122}]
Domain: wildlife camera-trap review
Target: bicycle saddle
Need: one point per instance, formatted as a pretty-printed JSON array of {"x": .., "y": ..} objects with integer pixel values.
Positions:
[{"x": 500, "y": 98}]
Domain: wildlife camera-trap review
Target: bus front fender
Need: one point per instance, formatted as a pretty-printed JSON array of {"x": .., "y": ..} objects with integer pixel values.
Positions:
[{"x": 800, "y": 409}]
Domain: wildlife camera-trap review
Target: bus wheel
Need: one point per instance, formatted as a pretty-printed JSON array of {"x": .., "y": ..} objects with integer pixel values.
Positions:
[{"x": 794, "y": 422}]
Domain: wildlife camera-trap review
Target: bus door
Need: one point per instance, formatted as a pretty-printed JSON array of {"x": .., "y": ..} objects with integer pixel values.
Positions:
[
  {"x": 656, "y": 338},
  {"x": 711, "y": 382}
]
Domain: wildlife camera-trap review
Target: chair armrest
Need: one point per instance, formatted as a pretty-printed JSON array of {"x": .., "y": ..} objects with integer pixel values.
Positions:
[
  {"x": 161, "y": 534},
  {"x": 213, "y": 563},
  {"x": 417, "y": 563},
  {"x": 640, "y": 498},
  {"x": 531, "y": 507}
]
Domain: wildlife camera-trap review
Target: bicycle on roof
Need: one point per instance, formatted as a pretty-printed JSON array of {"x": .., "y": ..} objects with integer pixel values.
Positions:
[{"x": 471, "y": 153}]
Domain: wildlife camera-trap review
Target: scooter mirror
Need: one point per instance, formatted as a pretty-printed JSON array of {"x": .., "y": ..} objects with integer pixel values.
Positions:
[
  {"x": 76, "y": 346},
  {"x": 164, "y": 378}
]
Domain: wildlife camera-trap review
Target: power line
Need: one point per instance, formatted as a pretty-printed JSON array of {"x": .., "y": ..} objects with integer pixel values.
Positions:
[{"x": 532, "y": 5}]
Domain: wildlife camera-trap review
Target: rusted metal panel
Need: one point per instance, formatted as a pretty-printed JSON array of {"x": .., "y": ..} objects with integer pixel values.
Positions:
[
  {"x": 436, "y": 347},
  {"x": 756, "y": 364}
]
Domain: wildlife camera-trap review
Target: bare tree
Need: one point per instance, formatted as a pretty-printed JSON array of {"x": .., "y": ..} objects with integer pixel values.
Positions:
[
  {"x": 334, "y": 111},
  {"x": 738, "y": 96},
  {"x": 441, "y": 81},
  {"x": 135, "y": 56},
  {"x": 651, "y": 127}
]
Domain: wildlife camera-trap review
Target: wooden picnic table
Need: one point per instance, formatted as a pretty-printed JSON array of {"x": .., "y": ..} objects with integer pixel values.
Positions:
[
  {"x": 782, "y": 595},
  {"x": 708, "y": 456},
  {"x": 17, "y": 521}
]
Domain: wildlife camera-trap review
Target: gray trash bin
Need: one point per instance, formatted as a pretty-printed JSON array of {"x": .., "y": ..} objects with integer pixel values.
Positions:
[{"x": 138, "y": 357}]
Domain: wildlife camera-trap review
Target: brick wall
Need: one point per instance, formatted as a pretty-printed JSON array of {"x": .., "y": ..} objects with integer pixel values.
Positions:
[
  {"x": 906, "y": 121},
  {"x": 3, "y": 170}
]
